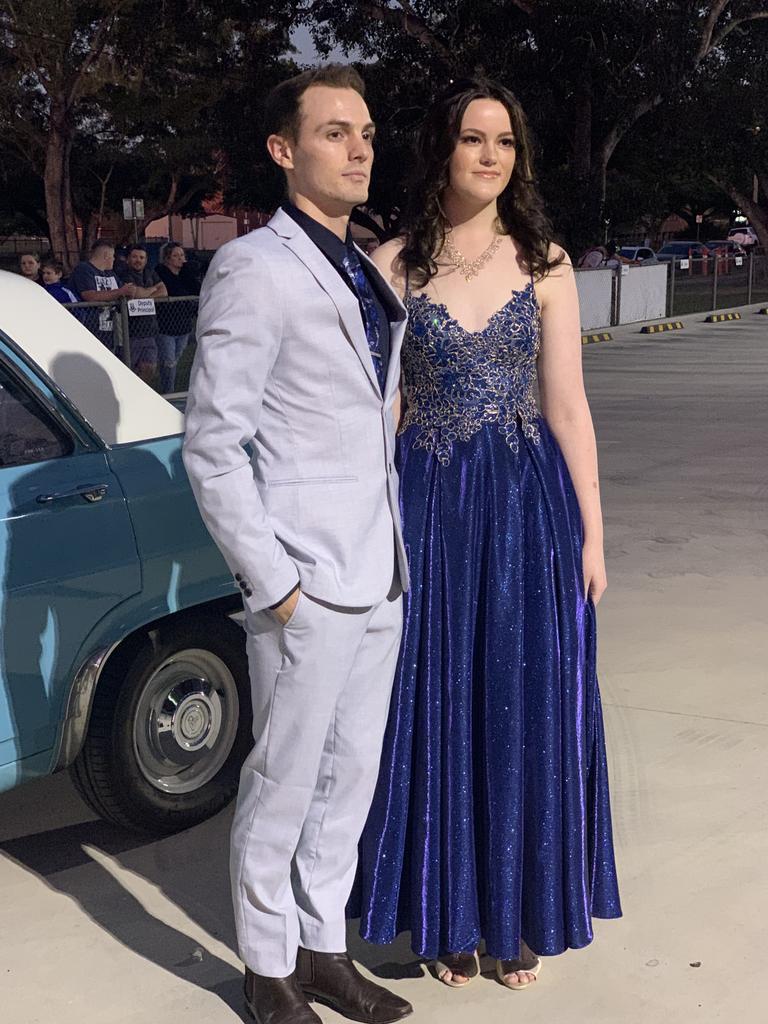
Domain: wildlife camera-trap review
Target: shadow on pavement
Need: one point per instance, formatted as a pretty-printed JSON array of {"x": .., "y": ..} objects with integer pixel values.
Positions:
[
  {"x": 190, "y": 869},
  {"x": 88, "y": 862}
]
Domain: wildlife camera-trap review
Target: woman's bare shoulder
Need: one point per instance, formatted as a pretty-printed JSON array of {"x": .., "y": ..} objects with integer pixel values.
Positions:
[
  {"x": 560, "y": 272},
  {"x": 387, "y": 259},
  {"x": 558, "y": 256}
]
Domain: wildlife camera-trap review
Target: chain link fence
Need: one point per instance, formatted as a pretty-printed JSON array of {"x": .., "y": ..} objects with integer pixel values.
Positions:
[
  {"x": 720, "y": 282},
  {"x": 155, "y": 337}
]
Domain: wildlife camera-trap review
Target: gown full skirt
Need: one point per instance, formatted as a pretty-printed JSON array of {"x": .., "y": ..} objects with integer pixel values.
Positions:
[{"x": 491, "y": 818}]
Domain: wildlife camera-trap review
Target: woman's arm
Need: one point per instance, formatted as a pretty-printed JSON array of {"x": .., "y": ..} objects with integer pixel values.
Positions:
[{"x": 565, "y": 408}]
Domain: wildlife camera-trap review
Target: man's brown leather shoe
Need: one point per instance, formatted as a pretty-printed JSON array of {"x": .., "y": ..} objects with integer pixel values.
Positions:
[
  {"x": 333, "y": 980},
  {"x": 277, "y": 1000}
]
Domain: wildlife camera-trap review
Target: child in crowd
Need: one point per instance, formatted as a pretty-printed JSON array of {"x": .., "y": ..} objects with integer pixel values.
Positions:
[
  {"x": 29, "y": 266},
  {"x": 52, "y": 271}
]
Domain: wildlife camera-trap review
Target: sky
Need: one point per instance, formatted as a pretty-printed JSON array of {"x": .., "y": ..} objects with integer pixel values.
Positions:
[{"x": 307, "y": 54}]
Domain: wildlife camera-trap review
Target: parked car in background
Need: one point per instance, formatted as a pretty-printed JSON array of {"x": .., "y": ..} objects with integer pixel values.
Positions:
[
  {"x": 682, "y": 250},
  {"x": 121, "y": 655},
  {"x": 641, "y": 253},
  {"x": 743, "y": 234},
  {"x": 725, "y": 246}
]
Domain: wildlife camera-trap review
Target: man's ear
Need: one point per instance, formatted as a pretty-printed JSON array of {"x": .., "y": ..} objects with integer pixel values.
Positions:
[{"x": 280, "y": 148}]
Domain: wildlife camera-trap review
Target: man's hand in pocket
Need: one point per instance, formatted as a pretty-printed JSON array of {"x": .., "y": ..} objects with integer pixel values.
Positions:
[{"x": 285, "y": 610}]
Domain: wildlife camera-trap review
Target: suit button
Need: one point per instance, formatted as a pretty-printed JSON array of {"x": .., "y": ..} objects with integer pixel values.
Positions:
[
  {"x": 248, "y": 592},
  {"x": 243, "y": 585},
  {"x": 238, "y": 577},
  {"x": 390, "y": 467}
]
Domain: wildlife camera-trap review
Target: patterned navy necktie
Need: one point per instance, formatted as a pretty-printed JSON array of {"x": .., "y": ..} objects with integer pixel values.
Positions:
[{"x": 360, "y": 283}]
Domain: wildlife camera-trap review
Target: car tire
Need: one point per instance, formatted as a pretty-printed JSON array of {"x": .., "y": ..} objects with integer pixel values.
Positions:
[{"x": 170, "y": 727}]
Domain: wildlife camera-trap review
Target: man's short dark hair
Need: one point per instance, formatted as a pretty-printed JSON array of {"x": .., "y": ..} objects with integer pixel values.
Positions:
[
  {"x": 101, "y": 244},
  {"x": 135, "y": 248},
  {"x": 53, "y": 264},
  {"x": 282, "y": 109}
]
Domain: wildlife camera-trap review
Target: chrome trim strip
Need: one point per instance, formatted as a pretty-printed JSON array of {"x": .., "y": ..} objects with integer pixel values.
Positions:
[{"x": 75, "y": 724}]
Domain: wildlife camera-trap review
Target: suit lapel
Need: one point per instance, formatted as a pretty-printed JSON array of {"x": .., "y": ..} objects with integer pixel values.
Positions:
[
  {"x": 398, "y": 316},
  {"x": 329, "y": 280}
]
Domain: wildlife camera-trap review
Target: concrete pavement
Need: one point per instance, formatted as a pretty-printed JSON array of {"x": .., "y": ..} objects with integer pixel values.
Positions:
[{"x": 103, "y": 928}]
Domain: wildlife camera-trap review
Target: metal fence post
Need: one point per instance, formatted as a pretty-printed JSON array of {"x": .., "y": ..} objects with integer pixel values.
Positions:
[
  {"x": 122, "y": 314},
  {"x": 714, "y": 281},
  {"x": 616, "y": 312},
  {"x": 671, "y": 312},
  {"x": 750, "y": 272}
]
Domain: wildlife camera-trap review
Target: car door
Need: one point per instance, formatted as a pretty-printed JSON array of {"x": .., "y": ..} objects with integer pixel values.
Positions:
[{"x": 68, "y": 555}]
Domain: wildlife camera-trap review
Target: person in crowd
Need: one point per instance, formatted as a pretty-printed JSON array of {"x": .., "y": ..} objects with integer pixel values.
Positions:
[
  {"x": 142, "y": 317},
  {"x": 592, "y": 258},
  {"x": 491, "y": 818},
  {"x": 51, "y": 273},
  {"x": 29, "y": 266},
  {"x": 176, "y": 319},
  {"x": 94, "y": 280},
  {"x": 614, "y": 258},
  {"x": 298, "y": 360},
  {"x": 121, "y": 260}
]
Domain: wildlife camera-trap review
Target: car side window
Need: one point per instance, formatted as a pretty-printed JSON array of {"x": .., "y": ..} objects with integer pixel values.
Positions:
[{"x": 28, "y": 433}]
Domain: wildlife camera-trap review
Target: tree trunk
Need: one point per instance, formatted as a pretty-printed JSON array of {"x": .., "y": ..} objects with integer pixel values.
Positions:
[
  {"x": 58, "y": 192},
  {"x": 757, "y": 213}
]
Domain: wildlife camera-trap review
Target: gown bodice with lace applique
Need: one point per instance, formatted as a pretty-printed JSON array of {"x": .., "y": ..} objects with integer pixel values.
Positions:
[{"x": 458, "y": 381}]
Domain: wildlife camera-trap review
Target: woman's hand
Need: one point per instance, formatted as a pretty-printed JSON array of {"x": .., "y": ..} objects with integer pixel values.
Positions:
[{"x": 593, "y": 565}]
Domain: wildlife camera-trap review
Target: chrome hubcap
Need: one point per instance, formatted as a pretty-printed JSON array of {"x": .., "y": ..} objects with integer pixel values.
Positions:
[{"x": 186, "y": 721}]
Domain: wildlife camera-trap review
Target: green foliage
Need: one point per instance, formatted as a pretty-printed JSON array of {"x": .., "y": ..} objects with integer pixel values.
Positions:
[
  {"x": 135, "y": 89},
  {"x": 635, "y": 109}
]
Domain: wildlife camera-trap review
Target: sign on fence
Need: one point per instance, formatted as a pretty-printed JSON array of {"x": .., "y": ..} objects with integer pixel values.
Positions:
[{"x": 141, "y": 307}]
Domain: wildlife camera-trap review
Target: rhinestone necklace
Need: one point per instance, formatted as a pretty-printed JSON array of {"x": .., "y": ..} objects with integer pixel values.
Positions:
[{"x": 470, "y": 268}]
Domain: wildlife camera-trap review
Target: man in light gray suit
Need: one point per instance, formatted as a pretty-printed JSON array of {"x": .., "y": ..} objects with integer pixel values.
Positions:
[{"x": 290, "y": 450}]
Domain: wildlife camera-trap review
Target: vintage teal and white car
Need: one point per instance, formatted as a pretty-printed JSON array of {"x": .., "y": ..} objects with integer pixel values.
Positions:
[{"x": 122, "y": 657}]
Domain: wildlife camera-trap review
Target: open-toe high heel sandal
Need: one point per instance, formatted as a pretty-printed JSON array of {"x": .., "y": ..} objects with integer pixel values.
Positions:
[
  {"x": 528, "y": 963},
  {"x": 465, "y": 964}
]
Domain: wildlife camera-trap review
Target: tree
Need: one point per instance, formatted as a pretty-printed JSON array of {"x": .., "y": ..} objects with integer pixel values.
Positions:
[
  {"x": 722, "y": 128},
  {"x": 586, "y": 73},
  {"x": 88, "y": 76}
]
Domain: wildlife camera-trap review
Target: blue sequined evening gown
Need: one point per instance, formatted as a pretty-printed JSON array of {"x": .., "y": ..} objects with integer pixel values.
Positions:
[{"x": 491, "y": 820}]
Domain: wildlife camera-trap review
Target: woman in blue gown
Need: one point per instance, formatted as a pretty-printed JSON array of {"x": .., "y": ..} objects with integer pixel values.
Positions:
[{"x": 491, "y": 820}]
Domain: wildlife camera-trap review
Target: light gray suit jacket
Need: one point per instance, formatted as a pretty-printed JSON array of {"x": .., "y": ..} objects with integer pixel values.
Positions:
[{"x": 283, "y": 367}]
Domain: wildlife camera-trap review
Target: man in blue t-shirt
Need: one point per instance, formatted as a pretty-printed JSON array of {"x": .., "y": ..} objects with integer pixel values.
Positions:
[{"x": 95, "y": 281}]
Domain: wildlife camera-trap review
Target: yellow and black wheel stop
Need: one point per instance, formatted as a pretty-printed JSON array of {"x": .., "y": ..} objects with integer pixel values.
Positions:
[
  {"x": 719, "y": 318},
  {"x": 670, "y": 325}
]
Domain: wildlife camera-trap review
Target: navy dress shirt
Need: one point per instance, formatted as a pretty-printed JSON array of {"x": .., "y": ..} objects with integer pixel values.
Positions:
[{"x": 334, "y": 251}]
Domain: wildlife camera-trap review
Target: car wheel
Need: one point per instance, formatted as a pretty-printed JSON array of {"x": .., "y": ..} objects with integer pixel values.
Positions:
[{"x": 170, "y": 727}]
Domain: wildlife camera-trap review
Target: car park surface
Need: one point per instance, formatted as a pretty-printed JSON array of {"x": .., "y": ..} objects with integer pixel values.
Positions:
[{"x": 101, "y": 925}]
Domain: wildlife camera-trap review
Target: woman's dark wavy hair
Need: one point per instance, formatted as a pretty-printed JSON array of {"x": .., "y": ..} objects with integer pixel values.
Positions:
[{"x": 521, "y": 209}]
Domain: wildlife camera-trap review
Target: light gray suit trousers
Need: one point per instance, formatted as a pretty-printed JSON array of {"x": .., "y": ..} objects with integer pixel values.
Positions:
[{"x": 290, "y": 451}]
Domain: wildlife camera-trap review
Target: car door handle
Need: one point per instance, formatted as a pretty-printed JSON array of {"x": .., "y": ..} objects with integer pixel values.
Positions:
[{"x": 90, "y": 492}]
